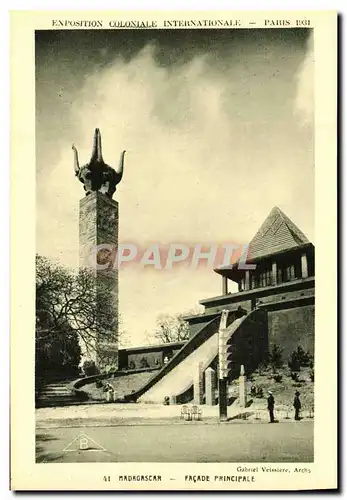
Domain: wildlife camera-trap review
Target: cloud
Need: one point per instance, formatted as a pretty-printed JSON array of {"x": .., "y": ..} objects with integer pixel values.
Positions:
[
  {"x": 304, "y": 100},
  {"x": 208, "y": 158}
]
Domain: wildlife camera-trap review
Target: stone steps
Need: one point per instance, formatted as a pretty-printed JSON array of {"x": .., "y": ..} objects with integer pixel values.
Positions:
[{"x": 57, "y": 394}]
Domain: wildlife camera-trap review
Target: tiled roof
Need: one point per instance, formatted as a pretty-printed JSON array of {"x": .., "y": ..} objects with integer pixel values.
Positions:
[{"x": 277, "y": 233}]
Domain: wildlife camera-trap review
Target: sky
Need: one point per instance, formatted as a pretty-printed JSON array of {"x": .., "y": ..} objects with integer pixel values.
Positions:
[{"x": 218, "y": 128}]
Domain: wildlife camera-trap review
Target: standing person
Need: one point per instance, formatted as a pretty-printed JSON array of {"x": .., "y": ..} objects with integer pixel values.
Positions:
[
  {"x": 270, "y": 407},
  {"x": 297, "y": 405}
]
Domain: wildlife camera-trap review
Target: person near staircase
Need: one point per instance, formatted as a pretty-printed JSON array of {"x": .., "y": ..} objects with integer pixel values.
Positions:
[
  {"x": 271, "y": 406},
  {"x": 297, "y": 405}
]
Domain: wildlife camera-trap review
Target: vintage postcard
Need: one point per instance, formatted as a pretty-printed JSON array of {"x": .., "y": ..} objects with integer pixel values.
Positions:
[{"x": 174, "y": 236}]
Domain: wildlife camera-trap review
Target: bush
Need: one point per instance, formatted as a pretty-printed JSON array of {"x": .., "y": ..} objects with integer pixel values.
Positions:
[
  {"x": 278, "y": 378},
  {"x": 263, "y": 367},
  {"x": 99, "y": 384},
  {"x": 304, "y": 357},
  {"x": 293, "y": 362},
  {"x": 294, "y": 376},
  {"x": 275, "y": 356},
  {"x": 110, "y": 369},
  {"x": 90, "y": 368},
  {"x": 299, "y": 358}
]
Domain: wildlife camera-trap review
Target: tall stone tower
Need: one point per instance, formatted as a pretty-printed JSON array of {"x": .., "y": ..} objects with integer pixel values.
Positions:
[{"x": 98, "y": 244}]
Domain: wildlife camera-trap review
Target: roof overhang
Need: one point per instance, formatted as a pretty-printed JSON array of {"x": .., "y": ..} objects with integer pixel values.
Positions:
[{"x": 235, "y": 270}]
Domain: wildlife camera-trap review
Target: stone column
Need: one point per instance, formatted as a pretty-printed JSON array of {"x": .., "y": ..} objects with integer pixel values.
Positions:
[
  {"x": 223, "y": 399},
  {"x": 247, "y": 280},
  {"x": 304, "y": 268},
  {"x": 225, "y": 285},
  {"x": 274, "y": 273},
  {"x": 98, "y": 230},
  {"x": 210, "y": 386},
  {"x": 198, "y": 384},
  {"x": 242, "y": 388}
]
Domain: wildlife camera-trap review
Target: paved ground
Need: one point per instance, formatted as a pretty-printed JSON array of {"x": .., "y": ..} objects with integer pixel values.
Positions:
[
  {"x": 190, "y": 442},
  {"x": 93, "y": 415}
]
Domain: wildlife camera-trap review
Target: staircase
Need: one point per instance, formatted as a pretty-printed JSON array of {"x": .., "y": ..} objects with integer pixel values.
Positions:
[
  {"x": 181, "y": 377},
  {"x": 57, "y": 394},
  {"x": 176, "y": 379}
]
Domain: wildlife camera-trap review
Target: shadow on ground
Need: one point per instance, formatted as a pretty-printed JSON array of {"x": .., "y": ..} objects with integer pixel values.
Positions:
[{"x": 41, "y": 455}]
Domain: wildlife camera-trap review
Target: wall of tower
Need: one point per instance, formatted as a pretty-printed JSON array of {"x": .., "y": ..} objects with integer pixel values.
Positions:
[{"x": 98, "y": 228}]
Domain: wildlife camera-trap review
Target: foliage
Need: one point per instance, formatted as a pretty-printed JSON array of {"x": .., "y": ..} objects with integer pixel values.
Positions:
[
  {"x": 171, "y": 328},
  {"x": 66, "y": 301},
  {"x": 299, "y": 358},
  {"x": 56, "y": 351},
  {"x": 278, "y": 378},
  {"x": 275, "y": 356},
  {"x": 293, "y": 362},
  {"x": 90, "y": 368},
  {"x": 304, "y": 357},
  {"x": 263, "y": 367}
]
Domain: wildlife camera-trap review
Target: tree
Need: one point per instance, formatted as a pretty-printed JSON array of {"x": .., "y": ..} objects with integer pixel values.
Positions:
[
  {"x": 171, "y": 328},
  {"x": 56, "y": 351},
  {"x": 65, "y": 297},
  {"x": 90, "y": 368}
]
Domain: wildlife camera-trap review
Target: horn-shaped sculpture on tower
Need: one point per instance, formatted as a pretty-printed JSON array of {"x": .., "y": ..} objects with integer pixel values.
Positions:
[{"x": 96, "y": 175}]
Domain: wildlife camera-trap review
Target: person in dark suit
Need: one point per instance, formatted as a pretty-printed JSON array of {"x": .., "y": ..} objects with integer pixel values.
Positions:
[
  {"x": 271, "y": 406},
  {"x": 297, "y": 405}
]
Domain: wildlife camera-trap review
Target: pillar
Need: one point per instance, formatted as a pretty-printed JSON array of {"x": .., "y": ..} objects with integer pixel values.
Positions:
[
  {"x": 242, "y": 388},
  {"x": 210, "y": 386},
  {"x": 223, "y": 399},
  {"x": 98, "y": 225},
  {"x": 225, "y": 285},
  {"x": 304, "y": 268},
  {"x": 247, "y": 280},
  {"x": 274, "y": 273},
  {"x": 198, "y": 384}
]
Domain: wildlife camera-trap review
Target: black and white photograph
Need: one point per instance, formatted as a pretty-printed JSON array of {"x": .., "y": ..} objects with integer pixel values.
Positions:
[{"x": 175, "y": 235}]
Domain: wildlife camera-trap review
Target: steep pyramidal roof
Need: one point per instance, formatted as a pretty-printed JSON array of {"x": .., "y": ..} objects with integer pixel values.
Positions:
[{"x": 276, "y": 234}]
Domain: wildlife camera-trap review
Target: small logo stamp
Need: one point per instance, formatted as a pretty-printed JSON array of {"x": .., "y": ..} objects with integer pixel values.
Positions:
[{"x": 82, "y": 442}]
